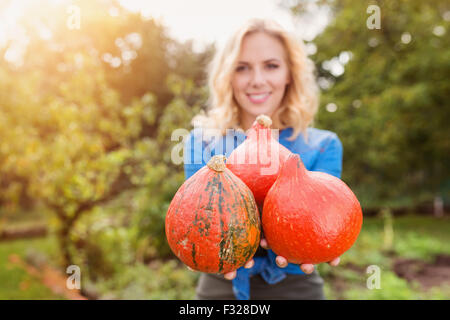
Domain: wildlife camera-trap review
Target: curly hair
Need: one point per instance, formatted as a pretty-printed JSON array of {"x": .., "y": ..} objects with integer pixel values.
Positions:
[{"x": 300, "y": 103}]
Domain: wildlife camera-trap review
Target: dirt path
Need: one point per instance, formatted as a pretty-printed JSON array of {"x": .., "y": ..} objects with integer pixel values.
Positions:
[
  {"x": 50, "y": 277},
  {"x": 427, "y": 274}
]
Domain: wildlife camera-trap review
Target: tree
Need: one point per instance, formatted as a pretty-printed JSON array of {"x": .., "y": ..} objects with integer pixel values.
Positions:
[
  {"x": 384, "y": 94},
  {"x": 87, "y": 115}
]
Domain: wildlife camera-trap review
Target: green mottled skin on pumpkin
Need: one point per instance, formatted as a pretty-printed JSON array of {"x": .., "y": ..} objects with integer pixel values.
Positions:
[{"x": 213, "y": 223}]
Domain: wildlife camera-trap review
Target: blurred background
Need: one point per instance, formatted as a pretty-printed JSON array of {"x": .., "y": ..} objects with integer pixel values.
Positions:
[{"x": 91, "y": 91}]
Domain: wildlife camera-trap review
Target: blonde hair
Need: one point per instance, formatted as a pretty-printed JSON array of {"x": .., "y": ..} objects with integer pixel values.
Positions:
[{"x": 300, "y": 103}]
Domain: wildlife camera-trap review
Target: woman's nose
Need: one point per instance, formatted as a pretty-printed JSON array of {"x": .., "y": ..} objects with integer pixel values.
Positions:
[{"x": 257, "y": 77}]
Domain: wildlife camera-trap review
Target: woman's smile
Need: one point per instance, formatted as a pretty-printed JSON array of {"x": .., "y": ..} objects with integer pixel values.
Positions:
[{"x": 258, "y": 98}]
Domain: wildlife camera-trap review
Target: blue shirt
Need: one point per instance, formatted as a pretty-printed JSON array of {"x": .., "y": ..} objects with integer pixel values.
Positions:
[{"x": 321, "y": 152}]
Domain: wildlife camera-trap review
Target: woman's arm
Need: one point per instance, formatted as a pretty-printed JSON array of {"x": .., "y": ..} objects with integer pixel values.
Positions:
[
  {"x": 330, "y": 157},
  {"x": 193, "y": 153}
]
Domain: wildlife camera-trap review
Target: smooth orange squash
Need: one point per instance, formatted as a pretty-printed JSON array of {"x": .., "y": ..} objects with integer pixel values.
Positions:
[
  {"x": 310, "y": 217},
  {"x": 257, "y": 161}
]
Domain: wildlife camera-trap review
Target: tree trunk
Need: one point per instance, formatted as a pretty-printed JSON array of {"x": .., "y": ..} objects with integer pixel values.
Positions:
[
  {"x": 438, "y": 207},
  {"x": 64, "y": 244}
]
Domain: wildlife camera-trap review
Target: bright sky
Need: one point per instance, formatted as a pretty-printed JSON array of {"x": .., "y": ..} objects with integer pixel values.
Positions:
[
  {"x": 204, "y": 21},
  {"x": 214, "y": 20}
]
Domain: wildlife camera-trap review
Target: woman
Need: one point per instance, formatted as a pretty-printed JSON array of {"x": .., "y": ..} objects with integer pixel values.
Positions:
[{"x": 263, "y": 70}]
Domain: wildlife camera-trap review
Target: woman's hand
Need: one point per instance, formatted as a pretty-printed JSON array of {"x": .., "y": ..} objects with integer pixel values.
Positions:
[
  {"x": 280, "y": 261},
  {"x": 231, "y": 275},
  {"x": 306, "y": 267}
]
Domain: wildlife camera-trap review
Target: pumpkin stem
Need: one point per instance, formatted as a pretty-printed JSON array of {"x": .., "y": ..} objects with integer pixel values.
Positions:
[
  {"x": 292, "y": 165},
  {"x": 264, "y": 120},
  {"x": 217, "y": 163}
]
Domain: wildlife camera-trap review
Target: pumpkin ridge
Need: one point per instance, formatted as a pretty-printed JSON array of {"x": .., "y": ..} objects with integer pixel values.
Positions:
[
  {"x": 179, "y": 203},
  {"x": 223, "y": 248},
  {"x": 198, "y": 202},
  {"x": 226, "y": 245},
  {"x": 193, "y": 255},
  {"x": 252, "y": 216}
]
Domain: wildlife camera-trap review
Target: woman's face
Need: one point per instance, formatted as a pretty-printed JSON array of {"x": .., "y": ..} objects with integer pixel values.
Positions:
[{"x": 261, "y": 75}]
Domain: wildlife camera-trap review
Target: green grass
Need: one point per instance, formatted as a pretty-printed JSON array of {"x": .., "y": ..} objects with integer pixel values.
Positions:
[
  {"x": 418, "y": 237},
  {"x": 413, "y": 237},
  {"x": 16, "y": 283}
]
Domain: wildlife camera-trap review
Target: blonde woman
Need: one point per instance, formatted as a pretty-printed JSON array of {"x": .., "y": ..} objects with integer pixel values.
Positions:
[{"x": 263, "y": 69}]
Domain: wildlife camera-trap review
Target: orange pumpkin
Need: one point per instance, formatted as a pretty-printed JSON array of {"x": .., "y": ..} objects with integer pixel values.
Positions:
[
  {"x": 257, "y": 161},
  {"x": 212, "y": 223},
  {"x": 310, "y": 217}
]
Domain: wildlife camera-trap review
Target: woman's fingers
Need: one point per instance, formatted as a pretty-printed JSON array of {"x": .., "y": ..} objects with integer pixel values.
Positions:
[
  {"x": 230, "y": 275},
  {"x": 249, "y": 264},
  {"x": 281, "y": 261},
  {"x": 307, "y": 268},
  {"x": 335, "y": 262},
  {"x": 264, "y": 244}
]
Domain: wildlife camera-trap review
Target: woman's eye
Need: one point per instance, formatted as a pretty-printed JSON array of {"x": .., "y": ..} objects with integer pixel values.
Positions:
[{"x": 268, "y": 66}]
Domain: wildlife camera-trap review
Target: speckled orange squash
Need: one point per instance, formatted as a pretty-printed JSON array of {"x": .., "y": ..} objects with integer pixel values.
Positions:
[
  {"x": 310, "y": 217},
  {"x": 212, "y": 223},
  {"x": 257, "y": 161}
]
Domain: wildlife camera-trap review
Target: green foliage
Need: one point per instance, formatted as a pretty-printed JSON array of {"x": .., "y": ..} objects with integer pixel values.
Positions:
[
  {"x": 414, "y": 245},
  {"x": 106, "y": 242},
  {"x": 392, "y": 288},
  {"x": 165, "y": 281},
  {"x": 415, "y": 237},
  {"x": 390, "y": 99},
  {"x": 178, "y": 113},
  {"x": 85, "y": 122},
  {"x": 367, "y": 249}
]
